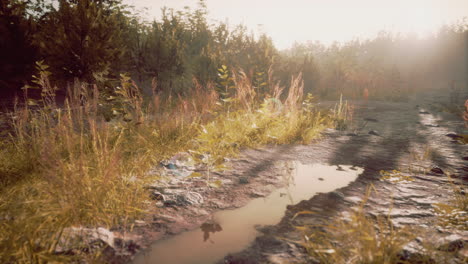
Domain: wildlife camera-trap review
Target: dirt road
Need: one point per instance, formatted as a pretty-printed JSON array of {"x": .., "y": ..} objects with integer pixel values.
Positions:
[
  {"x": 391, "y": 135},
  {"x": 404, "y": 136}
]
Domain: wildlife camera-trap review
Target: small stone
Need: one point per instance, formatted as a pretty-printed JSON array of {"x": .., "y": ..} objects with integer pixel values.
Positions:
[
  {"x": 243, "y": 180},
  {"x": 413, "y": 253},
  {"x": 453, "y": 136},
  {"x": 437, "y": 170},
  {"x": 320, "y": 179},
  {"x": 424, "y": 112},
  {"x": 189, "y": 198},
  {"x": 374, "y": 132},
  {"x": 157, "y": 196},
  {"x": 165, "y": 218},
  {"x": 73, "y": 236},
  {"x": 256, "y": 194},
  {"x": 371, "y": 120},
  {"x": 337, "y": 194},
  {"x": 170, "y": 203},
  {"x": 452, "y": 243}
]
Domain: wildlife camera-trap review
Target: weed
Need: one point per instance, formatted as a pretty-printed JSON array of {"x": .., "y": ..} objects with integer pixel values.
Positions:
[
  {"x": 357, "y": 238},
  {"x": 454, "y": 214}
]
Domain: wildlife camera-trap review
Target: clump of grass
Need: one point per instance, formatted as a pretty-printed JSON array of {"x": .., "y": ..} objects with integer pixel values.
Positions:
[
  {"x": 454, "y": 214},
  {"x": 395, "y": 176},
  {"x": 272, "y": 122},
  {"x": 341, "y": 113},
  {"x": 357, "y": 238},
  {"x": 425, "y": 155}
]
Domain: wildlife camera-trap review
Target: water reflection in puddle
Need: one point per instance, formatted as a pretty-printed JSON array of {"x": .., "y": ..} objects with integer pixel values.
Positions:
[{"x": 230, "y": 231}]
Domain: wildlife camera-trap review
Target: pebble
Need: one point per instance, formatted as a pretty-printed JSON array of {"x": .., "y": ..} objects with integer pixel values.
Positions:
[
  {"x": 371, "y": 120},
  {"x": 437, "y": 170},
  {"x": 243, "y": 180},
  {"x": 453, "y": 136}
]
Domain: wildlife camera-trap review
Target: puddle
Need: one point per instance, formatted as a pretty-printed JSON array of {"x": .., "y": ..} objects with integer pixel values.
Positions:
[{"x": 230, "y": 231}]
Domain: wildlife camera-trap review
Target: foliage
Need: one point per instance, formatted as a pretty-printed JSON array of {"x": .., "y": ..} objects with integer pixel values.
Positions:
[
  {"x": 96, "y": 40},
  {"x": 182, "y": 46},
  {"x": 16, "y": 51},
  {"x": 390, "y": 66},
  {"x": 81, "y": 38}
]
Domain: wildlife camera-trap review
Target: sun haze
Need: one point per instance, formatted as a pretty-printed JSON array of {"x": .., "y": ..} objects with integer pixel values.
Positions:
[{"x": 325, "y": 20}]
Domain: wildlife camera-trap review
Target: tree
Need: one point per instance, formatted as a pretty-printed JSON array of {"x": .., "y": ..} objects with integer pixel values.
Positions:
[
  {"x": 17, "y": 53},
  {"x": 82, "y": 39}
]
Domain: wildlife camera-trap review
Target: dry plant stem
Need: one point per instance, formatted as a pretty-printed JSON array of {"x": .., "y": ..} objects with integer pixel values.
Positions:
[{"x": 72, "y": 168}]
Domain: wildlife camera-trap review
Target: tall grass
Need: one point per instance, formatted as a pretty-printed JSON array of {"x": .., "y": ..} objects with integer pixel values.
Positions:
[
  {"x": 63, "y": 167},
  {"x": 85, "y": 163}
]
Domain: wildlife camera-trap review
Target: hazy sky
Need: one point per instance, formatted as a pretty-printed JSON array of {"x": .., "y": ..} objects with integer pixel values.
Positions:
[{"x": 287, "y": 21}]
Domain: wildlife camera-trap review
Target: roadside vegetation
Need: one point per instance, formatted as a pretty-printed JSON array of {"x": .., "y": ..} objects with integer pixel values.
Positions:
[
  {"x": 96, "y": 96},
  {"x": 356, "y": 238},
  {"x": 67, "y": 166}
]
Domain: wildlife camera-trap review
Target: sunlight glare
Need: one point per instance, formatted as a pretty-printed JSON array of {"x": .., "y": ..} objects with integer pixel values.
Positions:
[
  {"x": 419, "y": 18},
  {"x": 326, "y": 21}
]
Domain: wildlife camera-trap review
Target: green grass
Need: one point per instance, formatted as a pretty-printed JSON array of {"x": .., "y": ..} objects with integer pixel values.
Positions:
[{"x": 68, "y": 166}]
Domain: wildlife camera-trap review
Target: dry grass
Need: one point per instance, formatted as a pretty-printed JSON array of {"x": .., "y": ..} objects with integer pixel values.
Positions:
[
  {"x": 70, "y": 169},
  {"x": 356, "y": 238},
  {"x": 454, "y": 214},
  {"x": 86, "y": 163},
  {"x": 395, "y": 176}
]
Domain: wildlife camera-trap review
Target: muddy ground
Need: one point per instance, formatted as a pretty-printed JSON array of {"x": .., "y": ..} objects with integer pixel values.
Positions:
[{"x": 382, "y": 136}]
